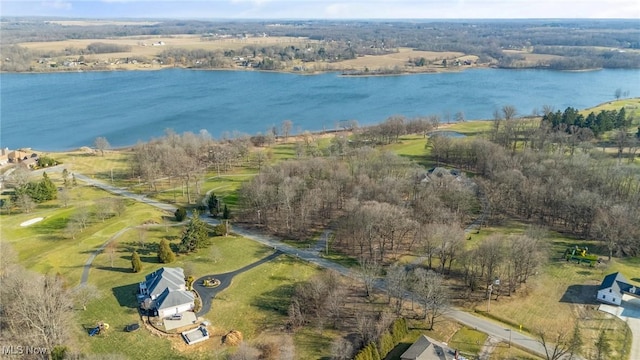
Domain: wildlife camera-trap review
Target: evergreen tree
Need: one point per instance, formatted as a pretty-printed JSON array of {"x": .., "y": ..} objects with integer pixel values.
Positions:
[
  {"x": 576, "y": 341},
  {"x": 136, "y": 263},
  {"x": 213, "y": 204},
  {"x": 226, "y": 213},
  {"x": 374, "y": 351},
  {"x": 602, "y": 346},
  {"x": 194, "y": 235},
  {"x": 180, "y": 214},
  {"x": 385, "y": 344},
  {"x": 65, "y": 177},
  {"x": 621, "y": 119},
  {"x": 165, "y": 254}
]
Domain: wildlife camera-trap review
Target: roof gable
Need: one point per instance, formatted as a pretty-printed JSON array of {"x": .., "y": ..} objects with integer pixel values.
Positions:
[
  {"x": 610, "y": 280},
  {"x": 165, "y": 278},
  {"x": 427, "y": 349},
  {"x": 175, "y": 298}
]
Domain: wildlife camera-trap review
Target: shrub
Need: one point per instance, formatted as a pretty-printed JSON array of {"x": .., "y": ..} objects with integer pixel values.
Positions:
[
  {"x": 180, "y": 214},
  {"x": 165, "y": 254},
  {"x": 136, "y": 263}
]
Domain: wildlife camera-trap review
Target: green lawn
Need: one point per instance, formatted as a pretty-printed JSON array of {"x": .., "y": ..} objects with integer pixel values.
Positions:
[
  {"x": 43, "y": 247},
  {"x": 256, "y": 301},
  {"x": 468, "y": 341}
]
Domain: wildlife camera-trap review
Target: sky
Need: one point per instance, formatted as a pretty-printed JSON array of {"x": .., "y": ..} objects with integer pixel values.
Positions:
[{"x": 324, "y": 9}]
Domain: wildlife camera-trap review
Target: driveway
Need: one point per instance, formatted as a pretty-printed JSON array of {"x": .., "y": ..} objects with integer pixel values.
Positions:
[
  {"x": 207, "y": 293},
  {"x": 629, "y": 312}
]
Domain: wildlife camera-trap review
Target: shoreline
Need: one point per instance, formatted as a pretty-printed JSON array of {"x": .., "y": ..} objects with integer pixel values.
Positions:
[{"x": 342, "y": 72}]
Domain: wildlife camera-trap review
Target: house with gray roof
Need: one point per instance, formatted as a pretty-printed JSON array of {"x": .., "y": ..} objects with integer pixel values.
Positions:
[
  {"x": 613, "y": 287},
  {"x": 164, "y": 292},
  {"x": 428, "y": 349}
]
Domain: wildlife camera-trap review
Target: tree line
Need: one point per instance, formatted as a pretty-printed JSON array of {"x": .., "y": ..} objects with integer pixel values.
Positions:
[
  {"x": 605, "y": 120},
  {"x": 574, "y": 40},
  {"x": 585, "y": 193}
]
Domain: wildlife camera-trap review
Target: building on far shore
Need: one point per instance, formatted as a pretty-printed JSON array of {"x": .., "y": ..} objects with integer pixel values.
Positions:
[{"x": 24, "y": 156}]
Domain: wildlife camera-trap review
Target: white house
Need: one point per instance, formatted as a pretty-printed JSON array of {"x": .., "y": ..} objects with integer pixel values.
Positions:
[
  {"x": 613, "y": 287},
  {"x": 164, "y": 292}
]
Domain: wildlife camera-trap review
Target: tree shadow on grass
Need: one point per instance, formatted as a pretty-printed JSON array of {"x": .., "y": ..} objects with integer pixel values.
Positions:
[
  {"x": 276, "y": 300},
  {"x": 580, "y": 294},
  {"x": 115, "y": 269},
  {"x": 126, "y": 295}
]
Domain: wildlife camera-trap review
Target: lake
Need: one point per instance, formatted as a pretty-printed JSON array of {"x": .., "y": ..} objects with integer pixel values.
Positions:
[{"x": 63, "y": 111}]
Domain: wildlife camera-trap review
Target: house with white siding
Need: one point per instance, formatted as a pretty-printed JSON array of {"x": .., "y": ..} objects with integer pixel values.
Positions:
[
  {"x": 164, "y": 293},
  {"x": 613, "y": 287}
]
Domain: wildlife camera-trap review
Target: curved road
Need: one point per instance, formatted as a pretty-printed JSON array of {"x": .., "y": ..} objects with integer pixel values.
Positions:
[
  {"x": 484, "y": 325},
  {"x": 207, "y": 293}
]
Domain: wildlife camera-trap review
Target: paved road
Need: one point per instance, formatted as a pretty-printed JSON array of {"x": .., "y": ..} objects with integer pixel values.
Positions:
[
  {"x": 629, "y": 312},
  {"x": 492, "y": 329},
  {"x": 124, "y": 192},
  {"x": 207, "y": 294}
]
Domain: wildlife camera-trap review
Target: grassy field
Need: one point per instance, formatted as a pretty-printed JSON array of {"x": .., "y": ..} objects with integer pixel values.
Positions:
[
  {"x": 42, "y": 246},
  {"x": 391, "y": 60},
  {"x": 255, "y": 303}
]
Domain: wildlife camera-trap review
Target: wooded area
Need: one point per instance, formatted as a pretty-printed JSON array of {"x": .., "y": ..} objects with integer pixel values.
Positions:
[{"x": 571, "y": 45}]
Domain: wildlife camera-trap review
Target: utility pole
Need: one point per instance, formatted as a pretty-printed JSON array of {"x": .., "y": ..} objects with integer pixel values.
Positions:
[{"x": 489, "y": 299}]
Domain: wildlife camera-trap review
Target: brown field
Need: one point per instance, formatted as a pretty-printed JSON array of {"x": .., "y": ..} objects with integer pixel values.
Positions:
[
  {"x": 530, "y": 57},
  {"x": 400, "y": 58},
  {"x": 143, "y": 47},
  {"x": 100, "y": 22}
]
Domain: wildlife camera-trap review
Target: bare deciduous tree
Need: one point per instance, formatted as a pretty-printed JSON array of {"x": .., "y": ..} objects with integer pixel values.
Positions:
[
  {"x": 36, "y": 309},
  {"x": 84, "y": 293},
  {"x": 341, "y": 349},
  {"x": 102, "y": 144},
  {"x": 555, "y": 343},
  {"x": 433, "y": 294},
  {"x": 287, "y": 125},
  {"x": 396, "y": 280}
]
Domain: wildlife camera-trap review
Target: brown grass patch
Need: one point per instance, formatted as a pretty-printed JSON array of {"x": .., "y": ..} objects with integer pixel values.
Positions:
[
  {"x": 401, "y": 59},
  {"x": 101, "y": 22},
  {"x": 143, "y": 45}
]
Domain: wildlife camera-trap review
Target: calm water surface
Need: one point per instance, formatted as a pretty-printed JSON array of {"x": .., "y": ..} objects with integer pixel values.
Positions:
[{"x": 61, "y": 111}]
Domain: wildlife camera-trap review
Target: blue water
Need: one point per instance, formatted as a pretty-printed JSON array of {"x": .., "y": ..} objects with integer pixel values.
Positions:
[{"x": 62, "y": 111}]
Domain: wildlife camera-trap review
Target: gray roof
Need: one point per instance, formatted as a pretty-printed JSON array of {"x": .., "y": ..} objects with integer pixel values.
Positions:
[
  {"x": 618, "y": 283},
  {"x": 173, "y": 298},
  {"x": 428, "y": 349},
  {"x": 165, "y": 278}
]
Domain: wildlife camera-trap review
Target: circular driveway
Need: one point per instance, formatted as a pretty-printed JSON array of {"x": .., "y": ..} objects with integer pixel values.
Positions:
[{"x": 208, "y": 293}]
